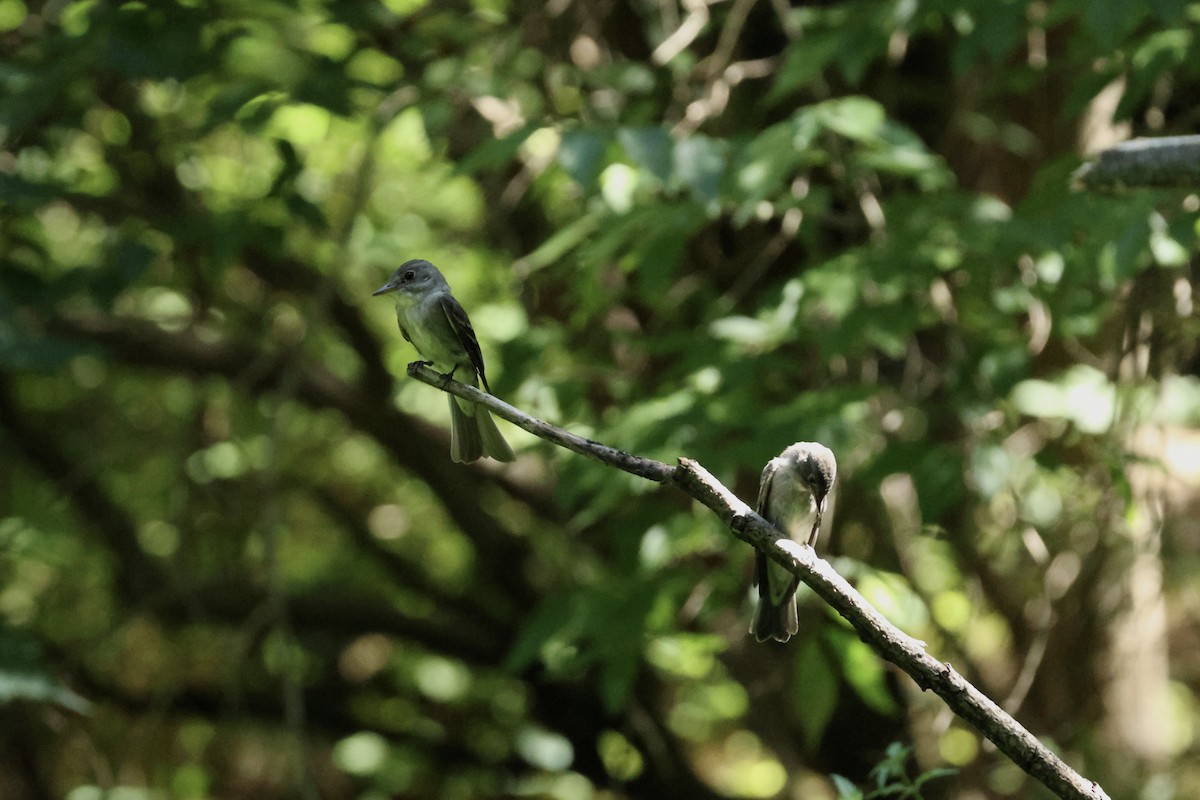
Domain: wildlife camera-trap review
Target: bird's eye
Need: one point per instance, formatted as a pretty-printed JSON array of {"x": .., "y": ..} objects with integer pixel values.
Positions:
[{"x": 408, "y": 276}]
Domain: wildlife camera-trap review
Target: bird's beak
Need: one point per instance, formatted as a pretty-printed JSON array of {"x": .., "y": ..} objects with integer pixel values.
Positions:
[{"x": 387, "y": 287}]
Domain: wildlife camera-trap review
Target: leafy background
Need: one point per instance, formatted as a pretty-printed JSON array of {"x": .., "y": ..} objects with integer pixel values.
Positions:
[{"x": 236, "y": 561}]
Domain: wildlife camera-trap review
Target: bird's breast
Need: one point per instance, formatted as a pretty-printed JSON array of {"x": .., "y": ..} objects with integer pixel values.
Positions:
[
  {"x": 793, "y": 508},
  {"x": 431, "y": 333}
]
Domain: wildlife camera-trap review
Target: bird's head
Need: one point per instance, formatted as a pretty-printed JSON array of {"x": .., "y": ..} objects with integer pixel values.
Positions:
[
  {"x": 814, "y": 464},
  {"x": 412, "y": 277}
]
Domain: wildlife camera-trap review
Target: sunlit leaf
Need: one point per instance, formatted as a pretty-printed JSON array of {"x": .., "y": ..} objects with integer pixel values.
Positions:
[
  {"x": 845, "y": 789},
  {"x": 865, "y": 673},
  {"x": 858, "y": 118},
  {"x": 815, "y": 692}
]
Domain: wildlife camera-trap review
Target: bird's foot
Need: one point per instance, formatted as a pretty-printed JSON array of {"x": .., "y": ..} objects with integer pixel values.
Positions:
[{"x": 449, "y": 376}]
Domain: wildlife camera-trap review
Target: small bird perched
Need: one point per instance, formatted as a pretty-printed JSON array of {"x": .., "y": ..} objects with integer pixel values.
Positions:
[
  {"x": 436, "y": 324},
  {"x": 792, "y": 495}
]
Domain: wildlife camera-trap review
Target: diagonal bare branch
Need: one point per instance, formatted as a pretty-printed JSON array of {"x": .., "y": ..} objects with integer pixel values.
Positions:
[{"x": 888, "y": 641}]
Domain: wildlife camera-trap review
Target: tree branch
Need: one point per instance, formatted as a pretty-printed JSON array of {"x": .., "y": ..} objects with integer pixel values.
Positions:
[
  {"x": 888, "y": 641},
  {"x": 1167, "y": 162},
  {"x": 646, "y": 468}
]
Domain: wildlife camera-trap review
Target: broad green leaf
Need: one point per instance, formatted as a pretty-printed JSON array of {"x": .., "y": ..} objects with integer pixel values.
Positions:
[
  {"x": 581, "y": 153},
  {"x": 700, "y": 163},
  {"x": 814, "y": 690},
  {"x": 651, "y": 148},
  {"x": 858, "y": 118},
  {"x": 556, "y": 620},
  {"x": 865, "y": 673},
  {"x": 1111, "y": 20},
  {"x": 804, "y": 61}
]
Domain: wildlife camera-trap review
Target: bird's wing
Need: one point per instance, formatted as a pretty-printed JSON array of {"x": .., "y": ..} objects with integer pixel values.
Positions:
[
  {"x": 404, "y": 333},
  {"x": 764, "y": 496},
  {"x": 466, "y": 334},
  {"x": 764, "y": 488}
]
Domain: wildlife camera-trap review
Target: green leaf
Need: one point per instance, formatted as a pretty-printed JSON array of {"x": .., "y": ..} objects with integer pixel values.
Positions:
[
  {"x": 562, "y": 242},
  {"x": 1168, "y": 12},
  {"x": 857, "y": 118},
  {"x": 546, "y": 624},
  {"x": 835, "y": 285},
  {"x": 1000, "y": 26},
  {"x": 1111, "y": 20},
  {"x": 602, "y": 625},
  {"x": 651, "y": 148},
  {"x": 250, "y": 102},
  {"x": 657, "y": 250},
  {"x": 495, "y": 154},
  {"x": 1130, "y": 253},
  {"x": 23, "y": 677},
  {"x": 746, "y": 331},
  {"x": 617, "y": 674},
  {"x": 159, "y": 41},
  {"x": 845, "y": 789},
  {"x": 767, "y": 164},
  {"x": 17, "y": 193},
  {"x": 864, "y": 40},
  {"x": 581, "y": 154},
  {"x": 24, "y": 349},
  {"x": 803, "y": 62},
  {"x": 865, "y": 673},
  {"x": 933, "y": 774},
  {"x": 816, "y": 691},
  {"x": 616, "y": 629},
  {"x": 126, "y": 263},
  {"x": 892, "y": 766},
  {"x": 700, "y": 163}
]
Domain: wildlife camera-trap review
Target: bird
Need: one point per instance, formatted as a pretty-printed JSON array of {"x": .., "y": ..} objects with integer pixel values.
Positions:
[
  {"x": 792, "y": 495},
  {"x": 434, "y": 322}
]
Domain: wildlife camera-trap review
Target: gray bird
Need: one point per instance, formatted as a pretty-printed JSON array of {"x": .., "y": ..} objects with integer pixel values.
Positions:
[
  {"x": 792, "y": 496},
  {"x": 436, "y": 324}
]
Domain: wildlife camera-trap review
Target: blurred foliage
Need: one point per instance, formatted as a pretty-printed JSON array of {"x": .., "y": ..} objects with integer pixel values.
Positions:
[
  {"x": 235, "y": 560},
  {"x": 890, "y": 778}
]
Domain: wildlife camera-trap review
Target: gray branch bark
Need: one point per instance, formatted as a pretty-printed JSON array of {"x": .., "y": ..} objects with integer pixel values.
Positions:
[
  {"x": 1168, "y": 162},
  {"x": 888, "y": 641}
]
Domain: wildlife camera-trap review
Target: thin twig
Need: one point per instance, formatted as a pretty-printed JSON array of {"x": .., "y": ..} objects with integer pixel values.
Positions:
[
  {"x": 642, "y": 467},
  {"x": 888, "y": 641}
]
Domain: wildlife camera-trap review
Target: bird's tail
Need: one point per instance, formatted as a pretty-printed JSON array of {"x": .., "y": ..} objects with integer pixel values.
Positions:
[
  {"x": 474, "y": 434},
  {"x": 775, "y": 613},
  {"x": 465, "y": 443},
  {"x": 493, "y": 443}
]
